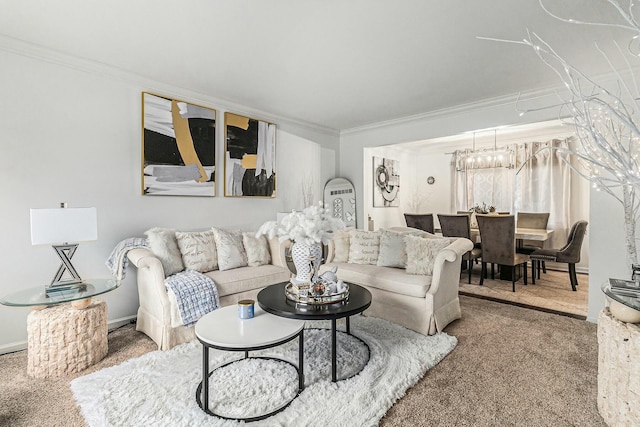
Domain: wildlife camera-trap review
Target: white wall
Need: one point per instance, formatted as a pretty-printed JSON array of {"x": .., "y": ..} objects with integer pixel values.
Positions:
[
  {"x": 74, "y": 135},
  {"x": 353, "y": 166},
  {"x": 416, "y": 196}
]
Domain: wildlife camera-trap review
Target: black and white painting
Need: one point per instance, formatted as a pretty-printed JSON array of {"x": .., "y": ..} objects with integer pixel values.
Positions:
[
  {"x": 386, "y": 182},
  {"x": 249, "y": 164},
  {"x": 178, "y": 148}
]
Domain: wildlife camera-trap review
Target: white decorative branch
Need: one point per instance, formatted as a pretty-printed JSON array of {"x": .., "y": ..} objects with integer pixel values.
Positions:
[{"x": 606, "y": 120}]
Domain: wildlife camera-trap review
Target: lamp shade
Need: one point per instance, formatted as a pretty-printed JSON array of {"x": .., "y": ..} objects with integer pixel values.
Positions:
[{"x": 63, "y": 225}]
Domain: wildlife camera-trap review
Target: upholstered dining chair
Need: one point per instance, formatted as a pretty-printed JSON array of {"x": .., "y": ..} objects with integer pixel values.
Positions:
[
  {"x": 460, "y": 226},
  {"x": 422, "y": 222},
  {"x": 539, "y": 221},
  {"x": 569, "y": 253},
  {"x": 498, "y": 235}
]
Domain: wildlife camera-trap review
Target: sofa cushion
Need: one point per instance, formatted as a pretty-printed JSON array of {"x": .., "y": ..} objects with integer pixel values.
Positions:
[
  {"x": 364, "y": 247},
  {"x": 390, "y": 279},
  {"x": 257, "y": 249},
  {"x": 231, "y": 253},
  {"x": 392, "y": 248},
  {"x": 421, "y": 253},
  {"x": 164, "y": 246},
  {"x": 341, "y": 245},
  {"x": 247, "y": 278},
  {"x": 198, "y": 249}
]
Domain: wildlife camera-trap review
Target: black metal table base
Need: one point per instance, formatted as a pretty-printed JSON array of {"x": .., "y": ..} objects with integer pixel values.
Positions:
[
  {"x": 202, "y": 392},
  {"x": 334, "y": 361}
]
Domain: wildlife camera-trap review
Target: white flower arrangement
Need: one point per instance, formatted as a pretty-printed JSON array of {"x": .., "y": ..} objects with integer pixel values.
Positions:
[{"x": 312, "y": 225}]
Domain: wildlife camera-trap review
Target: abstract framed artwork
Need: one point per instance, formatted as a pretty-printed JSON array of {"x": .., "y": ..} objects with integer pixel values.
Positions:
[
  {"x": 386, "y": 182},
  {"x": 178, "y": 148},
  {"x": 249, "y": 162}
]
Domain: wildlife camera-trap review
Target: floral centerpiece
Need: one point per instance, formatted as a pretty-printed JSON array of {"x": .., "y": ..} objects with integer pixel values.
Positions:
[
  {"x": 483, "y": 208},
  {"x": 307, "y": 229}
]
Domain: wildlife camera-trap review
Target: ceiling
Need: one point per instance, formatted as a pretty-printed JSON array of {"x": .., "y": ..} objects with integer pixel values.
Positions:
[{"x": 338, "y": 64}]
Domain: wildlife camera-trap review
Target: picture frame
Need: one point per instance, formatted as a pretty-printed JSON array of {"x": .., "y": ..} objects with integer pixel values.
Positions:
[
  {"x": 250, "y": 157},
  {"x": 386, "y": 182},
  {"x": 178, "y": 147}
]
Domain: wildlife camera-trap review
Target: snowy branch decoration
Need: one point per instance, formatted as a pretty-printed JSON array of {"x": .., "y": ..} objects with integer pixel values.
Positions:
[
  {"x": 606, "y": 120},
  {"x": 307, "y": 190}
]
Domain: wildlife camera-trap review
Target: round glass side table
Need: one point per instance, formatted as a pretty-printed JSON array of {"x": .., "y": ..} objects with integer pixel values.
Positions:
[
  {"x": 624, "y": 307},
  {"x": 78, "y": 297}
]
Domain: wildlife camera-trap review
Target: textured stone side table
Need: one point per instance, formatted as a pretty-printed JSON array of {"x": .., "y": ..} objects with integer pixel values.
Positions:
[
  {"x": 618, "y": 371},
  {"x": 67, "y": 330},
  {"x": 64, "y": 340}
]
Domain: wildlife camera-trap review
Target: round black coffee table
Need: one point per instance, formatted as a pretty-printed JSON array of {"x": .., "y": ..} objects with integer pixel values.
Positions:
[{"x": 272, "y": 299}]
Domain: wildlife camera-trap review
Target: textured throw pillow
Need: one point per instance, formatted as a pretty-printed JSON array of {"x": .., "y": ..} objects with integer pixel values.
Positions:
[
  {"x": 421, "y": 253},
  {"x": 162, "y": 242},
  {"x": 392, "y": 248},
  {"x": 230, "y": 249},
  {"x": 257, "y": 249},
  {"x": 364, "y": 247},
  {"x": 341, "y": 245},
  {"x": 198, "y": 250}
]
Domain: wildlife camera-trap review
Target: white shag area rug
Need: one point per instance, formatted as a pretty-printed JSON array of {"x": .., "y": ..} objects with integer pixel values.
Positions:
[{"x": 159, "y": 388}]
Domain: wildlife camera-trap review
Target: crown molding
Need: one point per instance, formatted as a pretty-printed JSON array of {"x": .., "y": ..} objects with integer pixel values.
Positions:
[
  {"x": 524, "y": 97},
  {"x": 457, "y": 109},
  {"x": 41, "y": 53}
]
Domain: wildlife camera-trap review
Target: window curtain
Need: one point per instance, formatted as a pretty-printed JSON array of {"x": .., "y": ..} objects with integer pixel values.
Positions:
[
  {"x": 483, "y": 179},
  {"x": 543, "y": 184}
]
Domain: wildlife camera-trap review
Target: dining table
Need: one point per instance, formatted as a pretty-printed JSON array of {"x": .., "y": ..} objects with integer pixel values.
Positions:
[{"x": 537, "y": 234}]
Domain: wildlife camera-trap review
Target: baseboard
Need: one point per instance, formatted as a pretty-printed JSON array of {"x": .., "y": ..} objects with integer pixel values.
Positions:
[
  {"x": 564, "y": 267},
  {"x": 13, "y": 347},
  {"x": 117, "y": 323},
  {"x": 22, "y": 345}
]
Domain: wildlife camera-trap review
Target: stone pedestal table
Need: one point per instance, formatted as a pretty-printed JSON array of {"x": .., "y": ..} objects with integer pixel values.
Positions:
[
  {"x": 65, "y": 340},
  {"x": 618, "y": 371}
]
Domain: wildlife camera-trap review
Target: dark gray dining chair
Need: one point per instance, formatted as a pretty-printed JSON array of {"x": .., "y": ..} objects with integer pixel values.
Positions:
[
  {"x": 569, "y": 253},
  {"x": 498, "y": 236},
  {"x": 538, "y": 221},
  {"x": 460, "y": 226},
  {"x": 422, "y": 222}
]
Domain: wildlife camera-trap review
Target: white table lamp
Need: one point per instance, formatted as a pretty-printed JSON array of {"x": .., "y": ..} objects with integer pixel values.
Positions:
[{"x": 59, "y": 227}]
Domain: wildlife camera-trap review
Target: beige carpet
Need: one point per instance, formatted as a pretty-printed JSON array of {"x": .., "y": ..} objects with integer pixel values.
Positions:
[
  {"x": 512, "y": 366},
  {"x": 551, "y": 292}
]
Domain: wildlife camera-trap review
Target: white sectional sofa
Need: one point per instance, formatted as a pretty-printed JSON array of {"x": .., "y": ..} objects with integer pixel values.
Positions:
[
  {"x": 425, "y": 303},
  {"x": 158, "y": 312}
]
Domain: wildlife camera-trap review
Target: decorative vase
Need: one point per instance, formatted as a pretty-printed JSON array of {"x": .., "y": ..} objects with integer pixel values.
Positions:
[{"x": 307, "y": 260}]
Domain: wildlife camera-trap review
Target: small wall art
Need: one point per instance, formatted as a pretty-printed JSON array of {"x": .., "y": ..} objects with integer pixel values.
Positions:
[
  {"x": 386, "y": 182},
  {"x": 178, "y": 148},
  {"x": 249, "y": 164}
]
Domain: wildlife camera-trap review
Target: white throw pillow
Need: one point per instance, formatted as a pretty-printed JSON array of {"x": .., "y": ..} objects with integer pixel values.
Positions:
[
  {"x": 231, "y": 253},
  {"x": 341, "y": 245},
  {"x": 257, "y": 249},
  {"x": 364, "y": 247},
  {"x": 198, "y": 249},
  {"x": 421, "y": 253},
  {"x": 392, "y": 248},
  {"x": 163, "y": 244}
]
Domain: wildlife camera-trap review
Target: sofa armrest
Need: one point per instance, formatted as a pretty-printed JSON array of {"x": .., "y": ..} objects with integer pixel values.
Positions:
[
  {"x": 278, "y": 251},
  {"x": 446, "y": 268},
  {"x": 152, "y": 293},
  {"x": 330, "y": 251}
]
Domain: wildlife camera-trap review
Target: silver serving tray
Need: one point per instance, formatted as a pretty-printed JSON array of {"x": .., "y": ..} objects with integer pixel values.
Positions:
[{"x": 292, "y": 295}]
